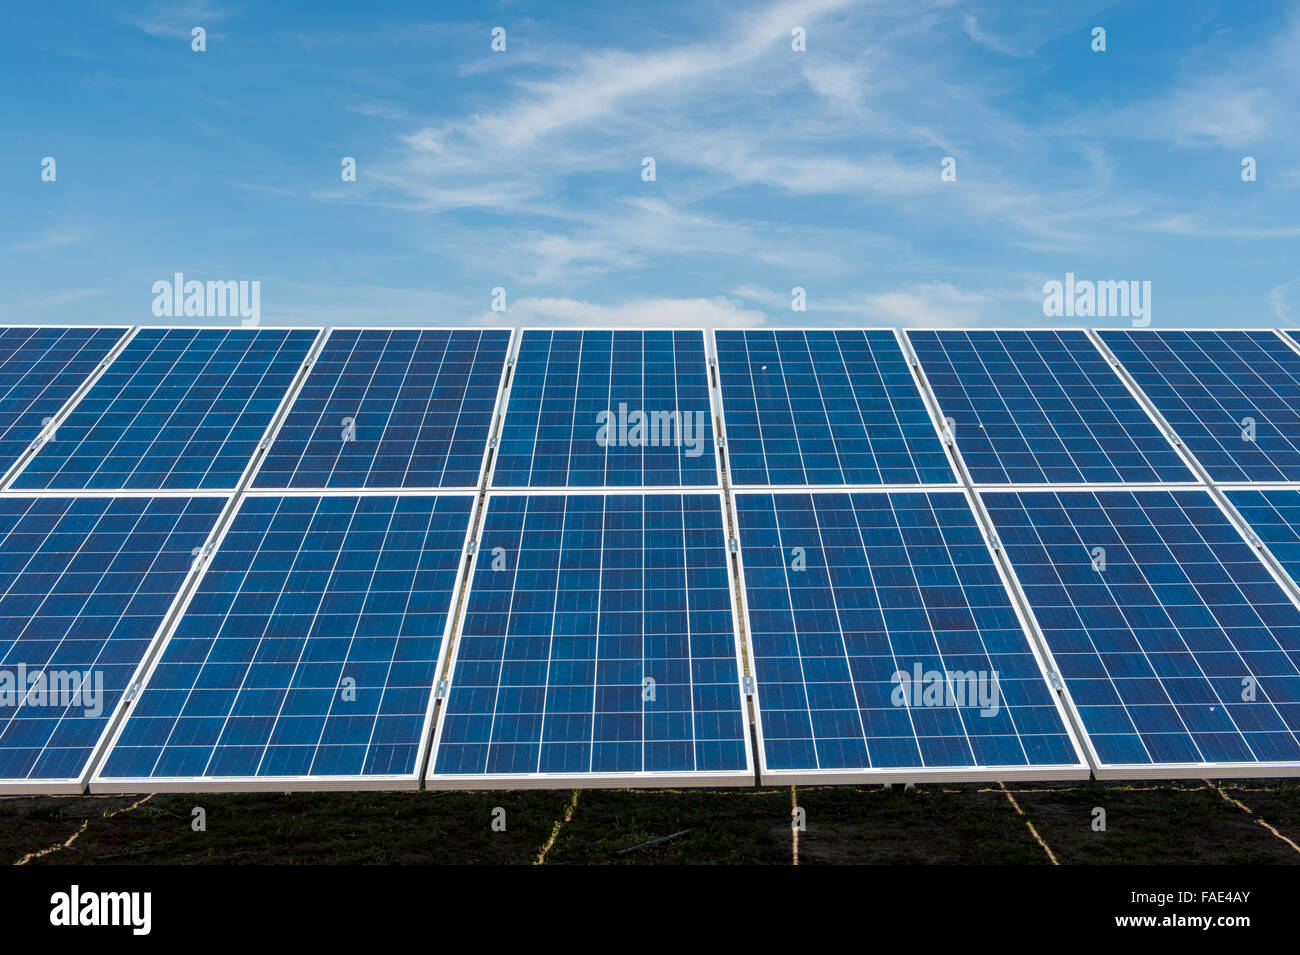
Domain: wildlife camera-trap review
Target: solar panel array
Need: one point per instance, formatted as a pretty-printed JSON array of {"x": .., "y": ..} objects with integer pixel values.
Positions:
[
  {"x": 40, "y": 369},
  {"x": 310, "y": 649},
  {"x": 592, "y": 408},
  {"x": 1177, "y": 645},
  {"x": 391, "y": 408},
  {"x": 824, "y": 407},
  {"x": 599, "y": 640},
  {"x": 1042, "y": 407},
  {"x": 459, "y": 558},
  {"x": 860, "y": 607},
  {"x": 1233, "y": 397},
  {"x": 178, "y": 409},
  {"x": 85, "y": 584}
]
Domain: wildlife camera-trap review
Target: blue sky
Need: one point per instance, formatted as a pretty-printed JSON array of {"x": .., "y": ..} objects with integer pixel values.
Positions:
[{"x": 774, "y": 168}]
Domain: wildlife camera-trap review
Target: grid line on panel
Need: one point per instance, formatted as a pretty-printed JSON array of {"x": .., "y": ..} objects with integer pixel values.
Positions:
[
  {"x": 593, "y": 595},
  {"x": 179, "y": 408},
  {"x": 1213, "y": 387},
  {"x": 1042, "y": 406},
  {"x": 824, "y": 407},
  {"x": 392, "y": 408},
  {"x": 85, "y": 584},
  {"x": 311, "y": 647},
  {"x": 573, "y": 404},
  {"x": 1181, "y": 647},
  {"x": 889, "y": 582}
]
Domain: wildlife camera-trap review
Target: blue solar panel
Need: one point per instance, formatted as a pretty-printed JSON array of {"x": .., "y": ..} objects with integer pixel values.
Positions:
[
  {"x": 179, "y": 408},
  {"x": 1274, "y": 516},
  {"x": 85, "y": 584},
  {"x": 568, "y": 384},
  {"x": 310, "y": 648},
  {"x": 391, "y": 409},
  {"x": 1233, "y": 397},
  {"x": 576, "y": 601},
  {"x": 40, "y": 369},
  {"x": 824, "y": 407},
  {"x": 1042, "y": 406},
  {"x": 884, "y": 639},
  {"x": 1176, "y": 644}
]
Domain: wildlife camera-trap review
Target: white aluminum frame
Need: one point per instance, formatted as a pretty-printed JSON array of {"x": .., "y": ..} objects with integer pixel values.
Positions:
[
  {"x": 100, "y": 784},
  {"x": 638, "y": 780}
]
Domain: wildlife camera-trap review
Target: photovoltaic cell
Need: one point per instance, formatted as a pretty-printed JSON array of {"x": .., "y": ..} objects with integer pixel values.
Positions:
[
  {"x": 1042, "y": 406},
  {"x": 824, "y": 407},
  {"x": 1233, "y": 397},
  {"x": 1176, "y": 644},
  {"x": 179, "y": 408},
  {"x": 310, "y": 647},
  {"x": 567, "y": 383},
  {"x": 85, "y": 583},
  {"x": 40, "y": 369},
  {"x": 391, "y": 408},
  {"x": 867, "y": 613},
  {"x": 598, "y": 639},
  {"x": 1274, "y": 516}
]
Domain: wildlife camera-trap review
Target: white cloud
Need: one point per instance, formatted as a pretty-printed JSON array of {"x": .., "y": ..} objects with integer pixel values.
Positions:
[
  {"x": 1279, "y": 302},
  {"x": 176, "y": 20},
  {"x": 644, "y": 313}
]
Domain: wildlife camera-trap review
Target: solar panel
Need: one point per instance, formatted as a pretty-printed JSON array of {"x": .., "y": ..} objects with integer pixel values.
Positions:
[
  {"x": 85, "y": 584},
  {"x": 884, "y": 643},
  {"x": 388, "y": 408},
  {"x": 1274, "y": 516},
  {"x": 1178, "y": 647},
  {"x": 1042, "y": 406},
  {"x": 1233, "y": 397},
  {"x": 594, "y": 408},
  {"x": 598, "y": 644},
  {"x": 307, "y": 656},
  {"x": 179, "y": 408},
  {"x": 824, "y": 407},
  {"x": 40, "y": 369}
]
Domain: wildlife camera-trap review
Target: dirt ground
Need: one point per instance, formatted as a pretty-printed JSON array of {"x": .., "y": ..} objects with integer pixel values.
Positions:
[{"x": 1201, "y": 822}]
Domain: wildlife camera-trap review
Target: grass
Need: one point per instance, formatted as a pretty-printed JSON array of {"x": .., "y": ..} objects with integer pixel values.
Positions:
[{"x": 1148, "y": 823}]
